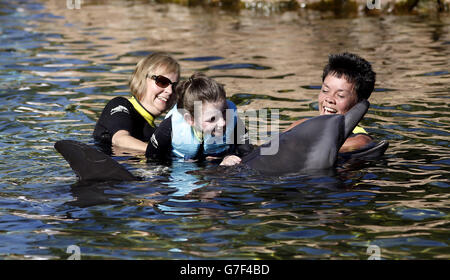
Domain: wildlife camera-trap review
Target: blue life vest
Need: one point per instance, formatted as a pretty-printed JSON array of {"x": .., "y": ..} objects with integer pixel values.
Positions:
[{"x": 186, "y": 142}]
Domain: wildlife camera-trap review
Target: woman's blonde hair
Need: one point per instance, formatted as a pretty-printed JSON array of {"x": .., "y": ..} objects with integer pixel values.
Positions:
[{"x": 159, "y": 62}]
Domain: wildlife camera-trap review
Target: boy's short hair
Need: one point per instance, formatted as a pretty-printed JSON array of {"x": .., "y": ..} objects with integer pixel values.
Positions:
[
  {"x": 355, "y": 70},
  {"x": 199, "y": 87}
]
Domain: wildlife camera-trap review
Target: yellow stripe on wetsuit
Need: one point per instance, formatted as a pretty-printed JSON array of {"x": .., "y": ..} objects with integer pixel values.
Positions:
[
  {"x": 198, "y": 134},
  {"x": 359, "y": 129},
  {"x": 142, "y": 111}
]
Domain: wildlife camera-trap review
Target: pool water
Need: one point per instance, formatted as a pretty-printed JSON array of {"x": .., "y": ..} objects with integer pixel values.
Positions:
[{"x": 59, "y": 66}]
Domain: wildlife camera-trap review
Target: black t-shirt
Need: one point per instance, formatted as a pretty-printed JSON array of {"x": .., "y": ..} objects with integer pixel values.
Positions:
[
  {"x": 119, "y": 114},
  {"x": 160, "y": 145}
]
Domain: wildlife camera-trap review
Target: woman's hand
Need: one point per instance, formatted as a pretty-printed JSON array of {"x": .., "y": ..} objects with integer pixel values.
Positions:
[{"x": 231, "y": 160}]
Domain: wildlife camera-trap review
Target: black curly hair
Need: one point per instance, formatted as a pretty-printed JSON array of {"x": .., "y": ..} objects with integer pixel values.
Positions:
[{"x": 355, "y": 69}]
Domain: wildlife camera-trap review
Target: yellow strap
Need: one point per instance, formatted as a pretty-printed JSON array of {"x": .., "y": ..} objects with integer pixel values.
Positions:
[
  {"x": 359, "y": 129},
  {"x": 142, "y": 111},
  {"x": 198, "y": 134}
]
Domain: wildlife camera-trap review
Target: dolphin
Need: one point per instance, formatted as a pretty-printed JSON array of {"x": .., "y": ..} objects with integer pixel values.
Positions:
[
  {"x": 313, "y": 145},
  {"x": 310, "y": 146}
]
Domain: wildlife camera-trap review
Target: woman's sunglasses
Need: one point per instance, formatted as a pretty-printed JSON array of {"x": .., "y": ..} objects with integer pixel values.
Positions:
[{"x": 162, "y": 81}]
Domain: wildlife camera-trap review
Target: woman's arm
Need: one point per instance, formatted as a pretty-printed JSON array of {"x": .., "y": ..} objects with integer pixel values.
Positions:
[
  {"x": 115, "y": 125},
  {"x": 123, "y": 139}
]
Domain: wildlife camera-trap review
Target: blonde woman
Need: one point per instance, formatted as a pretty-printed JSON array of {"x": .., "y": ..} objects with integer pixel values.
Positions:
[{"x": 129, "y": 122}]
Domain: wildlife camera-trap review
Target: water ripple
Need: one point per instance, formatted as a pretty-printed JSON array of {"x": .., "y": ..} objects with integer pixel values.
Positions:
[{"x": 58, "y": 69}]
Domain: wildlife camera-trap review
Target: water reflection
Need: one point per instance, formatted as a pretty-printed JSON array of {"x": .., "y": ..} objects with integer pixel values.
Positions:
[{"x": 58, "y": 67}]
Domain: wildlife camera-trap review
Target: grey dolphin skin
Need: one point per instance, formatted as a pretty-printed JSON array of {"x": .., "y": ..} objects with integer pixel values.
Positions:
[
  {"x": 90, "y": 164},
  {"x": 309, "y": 146},
  {"x": 312, "y": 145}
]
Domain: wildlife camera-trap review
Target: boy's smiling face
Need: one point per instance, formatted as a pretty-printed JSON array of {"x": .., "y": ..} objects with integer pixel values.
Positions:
[{"x": 337, "y": 96}]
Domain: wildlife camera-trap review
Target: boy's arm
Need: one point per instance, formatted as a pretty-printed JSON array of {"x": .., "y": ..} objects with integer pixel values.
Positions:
[{"x": 355, "y": 143}]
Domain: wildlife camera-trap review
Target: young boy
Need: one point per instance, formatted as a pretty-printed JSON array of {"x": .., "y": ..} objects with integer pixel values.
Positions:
[{"x": 346, "y": 80}]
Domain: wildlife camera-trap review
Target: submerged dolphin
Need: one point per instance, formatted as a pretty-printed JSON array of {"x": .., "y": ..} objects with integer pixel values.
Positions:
[{"x": 312, "y": 145}]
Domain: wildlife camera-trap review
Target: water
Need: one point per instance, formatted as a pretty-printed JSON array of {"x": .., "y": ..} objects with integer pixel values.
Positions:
[{"x": 59, "y": 66}]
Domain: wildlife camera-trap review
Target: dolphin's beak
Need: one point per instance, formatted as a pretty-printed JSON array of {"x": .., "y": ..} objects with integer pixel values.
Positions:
[{"x": 354, "y": 116}]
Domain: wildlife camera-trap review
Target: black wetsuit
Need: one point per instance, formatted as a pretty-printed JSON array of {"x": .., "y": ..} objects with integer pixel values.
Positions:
[
  {"x": 160, "y": 145},
  {"x": 120, "y": 114}
]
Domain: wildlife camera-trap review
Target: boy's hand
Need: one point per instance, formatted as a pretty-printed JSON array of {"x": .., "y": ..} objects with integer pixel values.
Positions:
[
  {"x": 355, "y": 143},
  {"x": 231, "y": 160}
]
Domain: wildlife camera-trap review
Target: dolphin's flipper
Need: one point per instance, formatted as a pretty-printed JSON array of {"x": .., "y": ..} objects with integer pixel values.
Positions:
[
  {"x": 312, "y": 145},
  {"x": 90, "y": 164},
  {"x": 371, "y": 151}
]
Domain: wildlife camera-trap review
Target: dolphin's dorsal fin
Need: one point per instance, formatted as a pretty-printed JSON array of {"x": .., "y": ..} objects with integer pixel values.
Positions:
[{"x": 90, "y": 164}]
